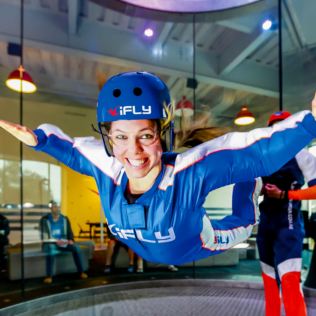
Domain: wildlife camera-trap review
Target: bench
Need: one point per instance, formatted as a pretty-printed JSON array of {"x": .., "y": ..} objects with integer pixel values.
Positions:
[{"x": 35, "y": 260}]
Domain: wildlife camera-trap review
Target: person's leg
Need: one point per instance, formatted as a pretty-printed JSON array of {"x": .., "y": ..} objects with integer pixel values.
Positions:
[
  {"x": 51, "y": 250},
  {"x": 76, "y": 254},
  {"x": 289, "y": 261},
  {"x": 293, "y": 298},
  {"x": 271, "y": 290},
  {"x": 140, "y": 264},
  {"x": 265, "y": 243},
  {"x": 131, "y": 257},
  {"x": 109, "y": 255}
]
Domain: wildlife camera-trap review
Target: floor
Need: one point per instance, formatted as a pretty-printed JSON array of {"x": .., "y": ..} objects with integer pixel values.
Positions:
[
  {"x": 186, "y": 297},
  {"x": 13, "y": 292}
]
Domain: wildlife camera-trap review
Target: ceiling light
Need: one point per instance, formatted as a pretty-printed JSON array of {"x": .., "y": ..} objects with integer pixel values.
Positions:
[
  {"x": 266, "y": 25},
  {"x": 244, "y": 117},
  {"x": 149, "y": 32},
  {"x": 19, "y": 80}
]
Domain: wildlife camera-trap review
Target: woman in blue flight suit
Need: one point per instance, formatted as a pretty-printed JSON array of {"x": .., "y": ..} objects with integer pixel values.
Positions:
[{"x": 153, "y": 200}]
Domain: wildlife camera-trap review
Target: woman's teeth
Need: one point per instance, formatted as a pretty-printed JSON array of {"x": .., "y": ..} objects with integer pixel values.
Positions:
[{"x": 136, "y": 163}]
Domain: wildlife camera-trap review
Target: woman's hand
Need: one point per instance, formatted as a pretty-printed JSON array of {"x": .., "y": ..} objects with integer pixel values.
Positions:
[{"x": 22, "y": 133}]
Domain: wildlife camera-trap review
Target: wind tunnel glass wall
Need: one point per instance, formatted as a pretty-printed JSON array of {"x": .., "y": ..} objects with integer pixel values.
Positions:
[
  {"x": 298, "y": 86},
  {"x": 218, "y": 61},
  {"x": 298, "y": 52}
]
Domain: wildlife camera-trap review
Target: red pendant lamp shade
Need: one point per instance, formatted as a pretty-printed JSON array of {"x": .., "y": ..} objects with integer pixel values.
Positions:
[
  {"x": 244, "y": 117},
  {"x": 19, "y": 80},
  {"x": 184, "y": 107}
]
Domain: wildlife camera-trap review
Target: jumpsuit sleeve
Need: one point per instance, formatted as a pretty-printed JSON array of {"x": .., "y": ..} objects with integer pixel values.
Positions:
[
  {"x": 303, "y": 194},
  {"x": 238, "y": 226},
  {"x": 80, "y": 154},
  {"x": 307, "y": 164},
  {"x": 238, "y": 157}
]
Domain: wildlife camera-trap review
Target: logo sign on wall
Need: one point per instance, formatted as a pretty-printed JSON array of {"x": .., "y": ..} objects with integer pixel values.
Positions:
[{"x": 189, "y": 6}]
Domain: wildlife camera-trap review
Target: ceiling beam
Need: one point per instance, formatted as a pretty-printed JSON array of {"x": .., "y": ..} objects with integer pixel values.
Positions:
[
  {"x": 163, "y": 35},
  {"x": 242, "y": 47},
  {"x": 95, "y": 12},
  {"x": 73, "y": 16}
]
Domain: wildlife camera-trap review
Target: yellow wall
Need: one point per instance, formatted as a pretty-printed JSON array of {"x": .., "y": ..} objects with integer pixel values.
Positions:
[{"x": 79, "y": 203}]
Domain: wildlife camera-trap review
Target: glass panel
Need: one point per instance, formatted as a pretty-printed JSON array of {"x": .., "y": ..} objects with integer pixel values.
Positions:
[
  {"x": 298, "y": 56},
  {"x": 298, "y": 83},
  {"x": 218, "y": 61}
]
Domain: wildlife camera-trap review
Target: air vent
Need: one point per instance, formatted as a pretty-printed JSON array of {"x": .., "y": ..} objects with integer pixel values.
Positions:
[{"x": 14, "y": 49}]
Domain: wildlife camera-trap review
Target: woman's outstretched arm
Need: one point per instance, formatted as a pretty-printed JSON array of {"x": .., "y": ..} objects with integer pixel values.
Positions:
[
  {"x": 80, "y": 154},
  {"x": 238, "y": 157}
]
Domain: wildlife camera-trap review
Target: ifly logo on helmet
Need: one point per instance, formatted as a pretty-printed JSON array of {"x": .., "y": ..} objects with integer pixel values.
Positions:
[
  {"x": 126, "y": 109},
  {"x": 144, "y": 110}
]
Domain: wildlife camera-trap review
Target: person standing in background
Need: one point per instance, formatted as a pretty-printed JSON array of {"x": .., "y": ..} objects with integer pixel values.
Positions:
[
  {"x": 281, "y": 232},
  {"x": 113, "y": 246}
]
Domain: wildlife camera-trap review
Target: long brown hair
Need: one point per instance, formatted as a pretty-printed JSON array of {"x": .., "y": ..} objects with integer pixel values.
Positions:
[{"x": 197, "y": 131}]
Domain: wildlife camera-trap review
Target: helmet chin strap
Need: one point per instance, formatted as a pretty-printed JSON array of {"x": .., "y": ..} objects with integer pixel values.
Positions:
[
  {"x": 106, "y": 142},
  {"x": 167, "y": 138},
  {"x": 171, "y": 136}
]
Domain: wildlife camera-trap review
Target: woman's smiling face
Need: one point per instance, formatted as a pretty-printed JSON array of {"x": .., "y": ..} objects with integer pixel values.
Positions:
[{"x": 136, "y": 144}]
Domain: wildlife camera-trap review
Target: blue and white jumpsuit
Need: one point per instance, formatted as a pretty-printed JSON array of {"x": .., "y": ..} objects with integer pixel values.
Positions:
[
  {"x": 280, "y": 236},
  {"x": 168, "y": 223}
]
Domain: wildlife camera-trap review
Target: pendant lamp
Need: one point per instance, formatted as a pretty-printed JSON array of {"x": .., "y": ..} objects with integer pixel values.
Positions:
[
  {"x": 184, "y": 108},
  {"x": 244, "y": 116},
  {"x": 19, "y": 80}
]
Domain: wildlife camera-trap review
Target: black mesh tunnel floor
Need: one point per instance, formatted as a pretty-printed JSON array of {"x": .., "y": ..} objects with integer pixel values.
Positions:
[{"x": 164, "y": 297}]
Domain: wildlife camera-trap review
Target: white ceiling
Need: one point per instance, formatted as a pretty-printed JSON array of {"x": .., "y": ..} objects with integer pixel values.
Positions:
[{"x": 71, "y": 45}]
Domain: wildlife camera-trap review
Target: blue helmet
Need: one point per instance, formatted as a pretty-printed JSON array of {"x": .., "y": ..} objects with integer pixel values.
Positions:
[{"x": 132, "y": 96}]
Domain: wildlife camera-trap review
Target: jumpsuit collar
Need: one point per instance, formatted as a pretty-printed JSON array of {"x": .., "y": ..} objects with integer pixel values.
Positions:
[{"x": 146, "y": 194}]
